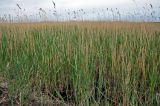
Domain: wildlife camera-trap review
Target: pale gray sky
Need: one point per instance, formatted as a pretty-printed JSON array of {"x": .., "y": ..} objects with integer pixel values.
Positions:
[
  {"x": 32, "y": 6},
  {"x": 76, "y": 3}
]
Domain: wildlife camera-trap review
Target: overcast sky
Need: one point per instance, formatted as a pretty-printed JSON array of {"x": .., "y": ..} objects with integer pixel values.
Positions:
[
  {"x": 76, "y": 3},
  {"x": 6, "y": 6}
]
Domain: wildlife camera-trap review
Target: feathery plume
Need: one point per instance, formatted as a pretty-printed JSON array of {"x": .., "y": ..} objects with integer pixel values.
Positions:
[
  {"x": 54, "y": 4},
  {"x": 151, "y": 5},
  {"x": 18, "y": 6},
  {"x": 42, "y": 10}
]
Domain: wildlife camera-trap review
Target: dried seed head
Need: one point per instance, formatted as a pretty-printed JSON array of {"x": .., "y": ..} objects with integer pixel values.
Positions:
[
  {"x": 54, "y": 4},
  {"x": 151, "y": 5},
  {"x": 18, "y": 6},
  {"x": 42, "y": 10}
]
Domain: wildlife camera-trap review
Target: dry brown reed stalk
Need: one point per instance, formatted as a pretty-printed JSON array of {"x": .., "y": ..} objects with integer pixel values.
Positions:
[
  {"x": 127, "y": 80},
  {"x": 113, "y": 61},
  {"x": 141, "y": 63},
  {"x": 97, "y": 79},
  {"x": 129, "y": 68}
]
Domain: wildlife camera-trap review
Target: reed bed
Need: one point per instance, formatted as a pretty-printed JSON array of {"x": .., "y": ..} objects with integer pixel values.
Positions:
[{"x": 80, "y": 63}]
